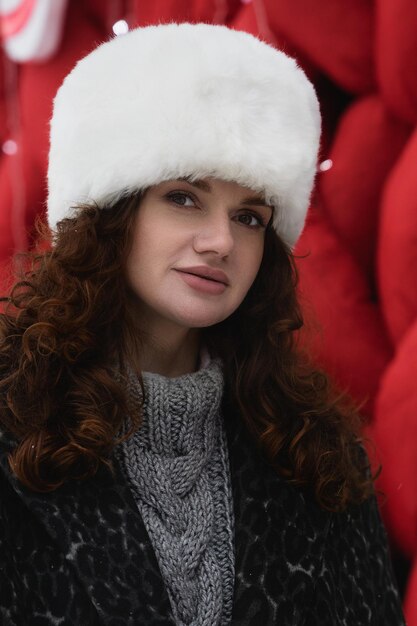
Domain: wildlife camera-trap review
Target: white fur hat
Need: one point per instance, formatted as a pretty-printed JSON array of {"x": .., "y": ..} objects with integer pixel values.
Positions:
[{"x": 177, "y": 100}]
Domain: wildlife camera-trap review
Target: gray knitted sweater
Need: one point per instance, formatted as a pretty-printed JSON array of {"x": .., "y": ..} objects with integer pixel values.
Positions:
[{"x": 177, "y": 466}]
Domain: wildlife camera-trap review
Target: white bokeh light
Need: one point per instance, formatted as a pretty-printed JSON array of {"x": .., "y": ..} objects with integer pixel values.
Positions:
[
  {"x": 9, "y": 147},
  {"x": 325, "y": 165},
  {"x": 121, "y": 27}
]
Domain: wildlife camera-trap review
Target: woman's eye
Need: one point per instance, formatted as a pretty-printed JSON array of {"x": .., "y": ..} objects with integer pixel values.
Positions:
[
  {"x": 250, "y": 219},
  {"x": 180, "y": 198}
]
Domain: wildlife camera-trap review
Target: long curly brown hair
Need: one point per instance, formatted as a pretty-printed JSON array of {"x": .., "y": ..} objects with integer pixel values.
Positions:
[{"x": 66, "y": 324}]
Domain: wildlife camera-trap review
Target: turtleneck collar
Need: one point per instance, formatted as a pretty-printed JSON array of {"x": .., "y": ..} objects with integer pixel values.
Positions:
[{"x": 177, "y": 464}]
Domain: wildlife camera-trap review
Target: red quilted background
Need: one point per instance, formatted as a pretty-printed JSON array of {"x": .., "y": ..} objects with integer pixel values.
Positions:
[{"x": 358, "y": 253}]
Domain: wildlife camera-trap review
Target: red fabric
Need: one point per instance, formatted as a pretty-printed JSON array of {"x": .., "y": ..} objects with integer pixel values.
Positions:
[
  {"x": 335, "y": 35},
  {"x": 395, "y": 432},
  {"x": 22, "y": 197},
  {"x": 396, "y": 56},
  {"x": 353, "y": 345},
  {"x": 397, "y": 244},
  {"x": 410, "y": 603},
  {"x": 181, "y": 11},
  {"x": 247, "y": 19},
  {"x": 367, "y": 143},
  {"x": 3, "y": 96}
]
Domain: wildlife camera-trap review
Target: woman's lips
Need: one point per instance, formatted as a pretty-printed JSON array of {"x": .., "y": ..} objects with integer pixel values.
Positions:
[
  {"x": 204, "y": 279},
  {"x": 205, "y": 271}
]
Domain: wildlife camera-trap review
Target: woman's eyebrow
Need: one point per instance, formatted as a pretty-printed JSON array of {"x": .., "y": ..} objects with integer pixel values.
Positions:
[{"x": 204, "y": 186}]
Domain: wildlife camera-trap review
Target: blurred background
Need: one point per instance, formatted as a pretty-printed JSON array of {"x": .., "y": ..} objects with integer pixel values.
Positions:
[{"x": 358, "y": 253}]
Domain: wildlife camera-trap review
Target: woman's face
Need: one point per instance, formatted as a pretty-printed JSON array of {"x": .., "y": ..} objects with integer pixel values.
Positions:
[{"x": 197, "y": 248}]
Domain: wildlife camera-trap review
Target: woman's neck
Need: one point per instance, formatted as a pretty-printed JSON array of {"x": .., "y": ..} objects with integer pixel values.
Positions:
[
  {"x": 170, "y": 358},
  {"x": 164, "y": 349},
  {"x": 159, "y": 345}
]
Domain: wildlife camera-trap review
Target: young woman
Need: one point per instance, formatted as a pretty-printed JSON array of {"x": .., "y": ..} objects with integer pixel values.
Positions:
[{"x": 167, "y": 454}]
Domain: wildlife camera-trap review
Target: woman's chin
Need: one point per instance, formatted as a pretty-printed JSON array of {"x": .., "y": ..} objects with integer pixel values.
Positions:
[{"x": 200, "y": 319}]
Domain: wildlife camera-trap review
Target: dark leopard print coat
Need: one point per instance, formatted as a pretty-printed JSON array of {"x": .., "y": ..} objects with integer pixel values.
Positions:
[{"x": 81, "y": 556}]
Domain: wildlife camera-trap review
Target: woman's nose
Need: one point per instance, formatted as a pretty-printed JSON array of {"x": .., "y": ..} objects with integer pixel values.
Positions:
[{"x": 215, "y": 236}]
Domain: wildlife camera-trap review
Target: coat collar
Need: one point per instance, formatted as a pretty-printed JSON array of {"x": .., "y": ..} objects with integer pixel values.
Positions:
[{"x": 279, "y": 539}]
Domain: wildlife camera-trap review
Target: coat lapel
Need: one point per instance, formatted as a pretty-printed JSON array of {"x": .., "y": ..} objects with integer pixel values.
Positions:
[
  {"x": 279, "y": 538},
  {"x": 96, "y": 525}
]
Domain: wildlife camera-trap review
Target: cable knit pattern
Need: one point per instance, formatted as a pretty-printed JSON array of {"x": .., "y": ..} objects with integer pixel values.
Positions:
[{"x": 178, "y": 467}]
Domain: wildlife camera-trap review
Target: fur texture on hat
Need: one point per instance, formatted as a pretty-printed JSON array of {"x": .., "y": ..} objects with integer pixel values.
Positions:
[{"x": 176, "y": 100}]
